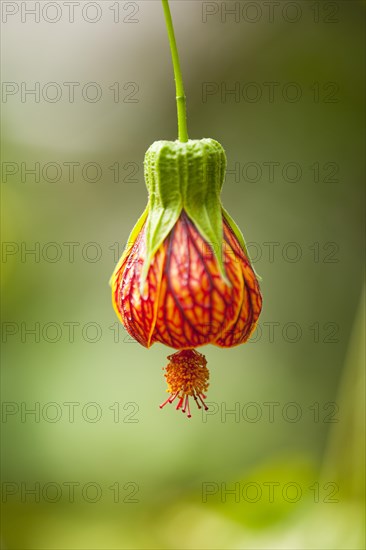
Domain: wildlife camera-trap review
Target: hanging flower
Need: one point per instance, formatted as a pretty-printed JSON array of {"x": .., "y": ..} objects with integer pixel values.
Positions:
[{"x": 185, "y": 279}]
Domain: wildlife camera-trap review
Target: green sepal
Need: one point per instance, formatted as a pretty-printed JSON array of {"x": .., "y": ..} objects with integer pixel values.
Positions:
[
  {"x": 131, "y": 240},
  {"x": 185, "y": 176},
  {"x": 239, "y": 235},
  {"x": 165, "y": 198}
]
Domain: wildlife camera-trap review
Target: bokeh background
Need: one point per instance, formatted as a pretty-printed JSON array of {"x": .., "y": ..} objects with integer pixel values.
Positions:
[{"x": 144, "y": 478}]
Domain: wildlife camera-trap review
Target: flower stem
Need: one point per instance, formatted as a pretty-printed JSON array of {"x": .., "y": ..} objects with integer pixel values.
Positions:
[{"x": 181, "y": 97}]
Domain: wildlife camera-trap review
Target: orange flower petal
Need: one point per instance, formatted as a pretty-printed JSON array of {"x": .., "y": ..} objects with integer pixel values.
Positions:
[{"x": 186, "y": 303}]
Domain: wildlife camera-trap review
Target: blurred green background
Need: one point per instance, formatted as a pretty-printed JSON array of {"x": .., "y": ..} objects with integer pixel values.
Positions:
[{"x": 144, "y": 478}]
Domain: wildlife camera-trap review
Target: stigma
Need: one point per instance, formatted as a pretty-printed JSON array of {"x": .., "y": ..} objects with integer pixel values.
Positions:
[{"x": 187, "y": 376}]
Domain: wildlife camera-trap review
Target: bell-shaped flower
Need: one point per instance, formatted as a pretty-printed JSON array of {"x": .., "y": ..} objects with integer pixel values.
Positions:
[{"x": 185, "y": 278}]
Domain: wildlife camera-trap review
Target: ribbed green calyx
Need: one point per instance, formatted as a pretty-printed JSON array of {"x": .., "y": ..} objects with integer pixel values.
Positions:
[{"x": 185, "y": 176}]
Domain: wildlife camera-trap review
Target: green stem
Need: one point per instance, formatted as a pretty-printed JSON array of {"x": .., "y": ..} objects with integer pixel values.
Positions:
[{"x": 181, "y": 97}]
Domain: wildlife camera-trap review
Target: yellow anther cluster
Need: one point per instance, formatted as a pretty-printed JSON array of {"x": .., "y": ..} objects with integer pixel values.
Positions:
[{"x": 187, "y": 374}]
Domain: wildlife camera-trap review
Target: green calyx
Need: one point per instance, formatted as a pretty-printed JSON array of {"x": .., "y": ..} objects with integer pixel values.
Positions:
[{"x": 185, "y": 176}]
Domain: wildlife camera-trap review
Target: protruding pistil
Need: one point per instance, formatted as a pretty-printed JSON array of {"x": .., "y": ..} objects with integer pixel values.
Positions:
[{"x": 187, "y": 376}]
